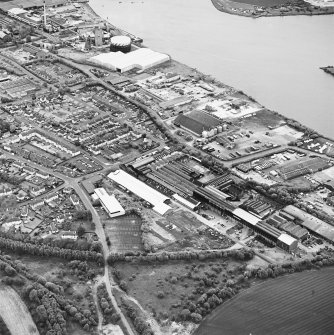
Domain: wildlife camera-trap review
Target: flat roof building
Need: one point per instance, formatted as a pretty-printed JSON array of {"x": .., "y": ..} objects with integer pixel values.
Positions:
[
  {"x": 155, "y": 198},
  {"x": 109, "y": 203},
  {"x": 140, "y": 59}
]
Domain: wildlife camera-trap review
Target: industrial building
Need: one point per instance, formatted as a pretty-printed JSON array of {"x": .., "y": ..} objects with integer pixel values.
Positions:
[
  {"x": 199, "y": 123},
  {"x": 140, "y": 59},
  {"x": 272, "y": 234},
  {"x": 311, "y": 223},
  {"x": 215, "y": 198},
  {"x": 98, "y": 36},
  {"x": 120, "y": 43},
  {"x": 153, "y": 197},
  {"x": 109, "y": 203}
]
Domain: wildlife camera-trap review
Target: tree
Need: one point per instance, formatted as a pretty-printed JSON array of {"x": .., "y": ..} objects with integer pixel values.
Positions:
[{"x": 80, "y": 231}]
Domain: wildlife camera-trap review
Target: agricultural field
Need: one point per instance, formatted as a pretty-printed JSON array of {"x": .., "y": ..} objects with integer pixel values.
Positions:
[
  {"x": 124, "y": 233},
  {"x": 15, "y": 313},
  {"x": 296, "y": 304}
]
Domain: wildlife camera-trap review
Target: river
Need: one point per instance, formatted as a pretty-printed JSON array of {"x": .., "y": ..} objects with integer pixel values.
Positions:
[{"x": 275, "y": 60}]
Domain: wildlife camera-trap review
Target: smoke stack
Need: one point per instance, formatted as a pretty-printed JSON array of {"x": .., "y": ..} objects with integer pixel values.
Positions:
[{"x": 44, "y": 13}]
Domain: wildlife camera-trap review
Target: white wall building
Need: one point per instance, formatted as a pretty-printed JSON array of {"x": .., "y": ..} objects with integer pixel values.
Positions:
[
  {"x": 155, "y": 198},
  {"x": 140, "y": 59},
  {"x": 109, "y": 203}
]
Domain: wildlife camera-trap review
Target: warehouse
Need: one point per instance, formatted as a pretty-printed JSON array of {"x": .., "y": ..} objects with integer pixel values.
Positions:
[
  {"x": 314, "y": 225},
  {"x": 140, "y": 59},
  {"x": 217, "y": 200},
  {"x": 197, "y": 123},
  {"x": 274, "y": 235},
  {"x": 109, "y": 203},
  {"x": 155, "y": 198}
]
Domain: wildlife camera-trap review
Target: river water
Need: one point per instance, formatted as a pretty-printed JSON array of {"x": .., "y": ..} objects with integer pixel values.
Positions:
[{"x": 275, "y": 60}]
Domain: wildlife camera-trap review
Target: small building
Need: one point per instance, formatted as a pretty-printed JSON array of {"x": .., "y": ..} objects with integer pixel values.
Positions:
[
  {"x": 287, "y": 242},
  {"x": 72, "y": 235},
  {"x": 109, "y": 203}
]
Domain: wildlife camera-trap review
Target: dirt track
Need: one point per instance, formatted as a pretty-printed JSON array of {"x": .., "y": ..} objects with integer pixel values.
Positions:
[{"x": 15, "y": 313}]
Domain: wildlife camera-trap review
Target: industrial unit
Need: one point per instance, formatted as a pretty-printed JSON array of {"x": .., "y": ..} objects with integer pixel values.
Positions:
[
  {"x": 155, "y": 198},
  {"x": 140, "y": 59},
  {"x": 109, "y": 203}
]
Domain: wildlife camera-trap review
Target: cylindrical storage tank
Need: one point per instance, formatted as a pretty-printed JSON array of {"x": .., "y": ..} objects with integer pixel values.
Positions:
[
  {"x": 215, "y": 131},
  {"x": 220, "y": 129},
  {"x": 120, "y": 43},
  {"x": 205, "y": 134},
  {"x": 224, "y": 126}
]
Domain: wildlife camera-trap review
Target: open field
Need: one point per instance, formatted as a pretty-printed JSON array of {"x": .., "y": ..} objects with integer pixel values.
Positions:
[
  {"x": 176, "y": 281},
  {"x": 296, "y": 304},
  {"x": 124, "y": 233},
  {"x": 15, "y": 313}
]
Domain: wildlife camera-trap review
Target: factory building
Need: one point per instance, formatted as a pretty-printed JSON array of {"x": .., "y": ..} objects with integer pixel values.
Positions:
[
  {"x": 270, "y": 233},
  {"x": 140, "y": 59},
  {"x": 150, "y": 195},
  {"x": 98, "y": 36},
  {"x": 109, "y": 203},
  {"x": 199, "y": 123}
]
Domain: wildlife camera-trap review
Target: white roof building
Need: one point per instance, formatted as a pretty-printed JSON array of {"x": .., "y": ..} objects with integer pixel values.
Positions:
[
  {"x": 109, "y": 203},
  {"x": 250, "y": 218},
  {"x": 17, "y": 11},
  {"x": 141, "y": 59},
  {"x": 155, "y": 198}
]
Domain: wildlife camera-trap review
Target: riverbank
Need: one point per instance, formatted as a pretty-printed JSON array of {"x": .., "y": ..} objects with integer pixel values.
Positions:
[
  {"x": 328, "y": 69},
  {"x": 255, "y": 9}
]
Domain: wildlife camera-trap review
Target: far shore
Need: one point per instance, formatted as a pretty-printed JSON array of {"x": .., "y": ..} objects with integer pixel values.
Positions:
[{"x": 242, "y": 9}]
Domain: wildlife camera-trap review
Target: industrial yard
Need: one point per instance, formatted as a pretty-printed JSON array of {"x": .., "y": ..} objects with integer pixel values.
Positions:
[{"x": 137, "y": 171}]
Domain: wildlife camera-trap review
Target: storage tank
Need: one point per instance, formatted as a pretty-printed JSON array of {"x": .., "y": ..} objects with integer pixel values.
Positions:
[
  {"x": 205, "y": 134},
  {"x": 215, "y": 131},
  {"x": 224, "y": 126},
  {"x": 219, "y": 129},
  {"x": 120, "y": 43}
]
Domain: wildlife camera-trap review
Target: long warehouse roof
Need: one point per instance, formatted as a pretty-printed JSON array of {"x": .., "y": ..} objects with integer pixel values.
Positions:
[
  {"x": 250, "y": 218},
  {"x": 142, "y": 190}
]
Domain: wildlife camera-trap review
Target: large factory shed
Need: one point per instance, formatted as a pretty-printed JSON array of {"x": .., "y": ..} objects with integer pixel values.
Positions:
[
  {"x": 197, "y": 122},
  {"x": 264, "y": 229},
  {"x": 313, "y": 224},
  {"x": 109, "y": 203},
  {"x": 140, "y": 59},
  {"x": 155, "y": 198}
]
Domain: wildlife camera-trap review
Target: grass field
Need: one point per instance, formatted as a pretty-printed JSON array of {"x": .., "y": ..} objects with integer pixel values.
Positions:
[
  {"x": 301, "y": 303},
  {"x": 177, "y": 280}
]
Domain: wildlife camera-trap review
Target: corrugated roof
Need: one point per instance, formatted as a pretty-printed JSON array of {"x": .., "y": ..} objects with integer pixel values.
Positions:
[{"x": 312, "y": 223}]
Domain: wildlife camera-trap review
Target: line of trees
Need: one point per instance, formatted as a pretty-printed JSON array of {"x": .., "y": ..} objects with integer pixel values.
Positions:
[
  {"x": 238, "y": 254},
  {"x": 45, "y": 250},
  {"x": 105, "y": 304},
  {"x": 139, "y": 320}
]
